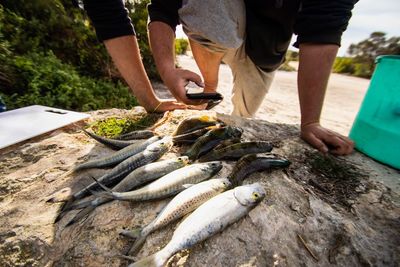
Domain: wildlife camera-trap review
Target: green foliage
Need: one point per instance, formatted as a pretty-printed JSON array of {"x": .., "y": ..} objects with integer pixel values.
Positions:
[
  {"x": 365, "y": 52},
  {"x": 49, "y": 55},
  {"x": 112, "y": 127},
  {"x": 44, "y": 79},
  {"x": 292, "y": 55},
  {"x": 181, "y": 46},
  {"x": 286, "y": 67},
  {"x": 343, "y": 65}
]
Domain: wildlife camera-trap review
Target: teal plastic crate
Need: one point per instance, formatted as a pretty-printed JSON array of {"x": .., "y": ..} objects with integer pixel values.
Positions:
[{"x": 376, "y": 129}]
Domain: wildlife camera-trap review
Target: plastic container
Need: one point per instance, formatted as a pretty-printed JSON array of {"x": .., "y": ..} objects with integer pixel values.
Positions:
[{"x": 376, "y": 129}]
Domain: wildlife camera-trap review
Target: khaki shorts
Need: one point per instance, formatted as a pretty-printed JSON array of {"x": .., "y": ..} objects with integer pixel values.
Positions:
[{"x": 219, "y": 25}]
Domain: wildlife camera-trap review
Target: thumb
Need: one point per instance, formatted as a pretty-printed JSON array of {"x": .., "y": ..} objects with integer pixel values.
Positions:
[{"x": 194, "y": 77}]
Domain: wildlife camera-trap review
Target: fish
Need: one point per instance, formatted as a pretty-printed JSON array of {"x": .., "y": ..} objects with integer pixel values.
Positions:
[
  {"x": 211, "y": 139},
  {"x": 252, "y": 163},
  {"x": 169, "y": 184},
  {"x": 236, "y": 151},
  {"x": 139, "y": 176},
  {"x": 151, "y": 153},
  {"x": 134, "y": 135},
  {"x": 112, "y": 143},
  {"x": 182, "y": 204},
  {"x": 194, "y": 123},
  {"x": 210, "y": 218},
  {"x": 118, "y": 156},
  {"x": 191, "y": 137}
]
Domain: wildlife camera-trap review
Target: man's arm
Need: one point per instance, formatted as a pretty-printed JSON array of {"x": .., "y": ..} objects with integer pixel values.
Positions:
[
  {"x": 162, "y": 37},
  {"x": 314, "y": 70}
]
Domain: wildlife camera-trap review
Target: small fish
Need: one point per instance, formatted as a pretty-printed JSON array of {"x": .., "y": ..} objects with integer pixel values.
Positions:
[
  {"x": 118, "y": 156},
  {"x": 191, "y": 137},
  {"x": 170, "y": 184},
  {"x": 139, "y": 176},
  {"x": 210, "y": 218},
  {"x": 140, "y": 134},
  {"x": 182, "y": 204},
  {"x": 112, "y": 143},
  {"x": 151, "y": 153},
  {"x": 211, "y": 139},
  {"x": 194, "y": 123},
  {"x": 252, "y": 163},
  {"x": 236, "y": 151}
]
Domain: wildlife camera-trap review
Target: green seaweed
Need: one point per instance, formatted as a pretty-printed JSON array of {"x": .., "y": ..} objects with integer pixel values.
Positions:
[{"x": 114, "y": 126}]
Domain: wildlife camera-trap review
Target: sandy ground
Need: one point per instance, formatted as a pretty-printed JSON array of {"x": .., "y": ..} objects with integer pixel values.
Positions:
[{"x": 342, "y": 101}]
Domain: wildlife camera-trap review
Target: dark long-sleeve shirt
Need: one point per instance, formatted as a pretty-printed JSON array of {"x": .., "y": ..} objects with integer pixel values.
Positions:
[{"x": 269, "y": 23}]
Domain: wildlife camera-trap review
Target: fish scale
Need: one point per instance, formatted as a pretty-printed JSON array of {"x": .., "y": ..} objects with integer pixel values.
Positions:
[
  {"x": 112, "y": 143},
  {"x": 210, "y": 218},
  {"x": 118, "y": 156},
  {"x": 182, "y": 204},
  {"x": 171, "y": 183}
]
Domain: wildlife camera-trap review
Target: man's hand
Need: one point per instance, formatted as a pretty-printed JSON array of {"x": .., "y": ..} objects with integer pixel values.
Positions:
[
  {"x": 170, "y": 104},
  {"x": 326, "y": 140},
  {"x": 176, "y": 79}
]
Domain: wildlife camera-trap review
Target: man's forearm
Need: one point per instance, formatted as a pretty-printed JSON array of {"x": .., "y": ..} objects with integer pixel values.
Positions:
[
  {"x": 126, "y": 56},
  {"x": 314, "y": 69},
  {"x": 162, "y": 37}
]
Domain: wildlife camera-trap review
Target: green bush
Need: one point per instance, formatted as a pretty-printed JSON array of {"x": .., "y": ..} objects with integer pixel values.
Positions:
[
  {"x": 343, "y": 65},
  {"x": 44, "y": 79},
  {"x": 181, "y": 46}
]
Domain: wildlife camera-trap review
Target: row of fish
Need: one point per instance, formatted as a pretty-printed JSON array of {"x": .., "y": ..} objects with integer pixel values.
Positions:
[{"x": 136, "y": 165}]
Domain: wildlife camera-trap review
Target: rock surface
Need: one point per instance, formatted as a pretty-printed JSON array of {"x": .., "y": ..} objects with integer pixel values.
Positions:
[{"x": 320, "y": 211}]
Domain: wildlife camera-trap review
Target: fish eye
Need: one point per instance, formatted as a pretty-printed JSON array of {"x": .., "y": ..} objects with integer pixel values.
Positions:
[{"x": 256, "y": 195}]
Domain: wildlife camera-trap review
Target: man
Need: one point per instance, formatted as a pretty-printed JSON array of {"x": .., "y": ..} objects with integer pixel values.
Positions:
[
  {"x": 252, "y": 37},
  {"x": 113, "y": 27}
]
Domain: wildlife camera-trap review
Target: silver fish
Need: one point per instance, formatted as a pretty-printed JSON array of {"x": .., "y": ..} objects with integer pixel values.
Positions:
[
  {"x": 182, "y": 204},
  {"x": 112, "y": 143},
  {"x": 171, "y": 183},
  {"x": 208, "y": 219},
  {"x": 118, "y": 156}
]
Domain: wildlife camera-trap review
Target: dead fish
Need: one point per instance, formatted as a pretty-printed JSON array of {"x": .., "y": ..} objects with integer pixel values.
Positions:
[
  {"x": 112, "y": 143},
  {"x": 118, "y": 156},
  {"x": 137, "y": 177},
  {"x": 134, "y": 135},
  {"x": 171, "y": 183},
  {"x": 194, "y": 123},
  {"x": 210, "y": 218},
  {"x": 151, "y": 153},
  {"x": 236, "y": 151},
  {"x": 252, "y": 163},
  {"x": 191, "y": 137},
  {"x": 182, "y": 204},
  {"x": 211, "y": 139}
]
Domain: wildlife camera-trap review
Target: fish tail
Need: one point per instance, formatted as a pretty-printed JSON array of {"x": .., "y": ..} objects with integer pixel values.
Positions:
[
  {"x": 101, "y": 185},
  {"x": 156, "y": 260},
  {"x": 134, "y": 233},
  {"x": 137, "y": 245},
  {"x": 82, "y": 214}
]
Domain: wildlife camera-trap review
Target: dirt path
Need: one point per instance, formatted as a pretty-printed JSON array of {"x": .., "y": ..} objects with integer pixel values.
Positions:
[{"x": 343, "y": 99}]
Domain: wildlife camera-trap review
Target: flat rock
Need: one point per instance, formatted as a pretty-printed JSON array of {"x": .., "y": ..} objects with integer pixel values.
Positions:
[{"x": 312, "y": 215}]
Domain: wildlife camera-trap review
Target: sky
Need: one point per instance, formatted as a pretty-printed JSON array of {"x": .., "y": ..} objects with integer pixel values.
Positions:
[{"x": 368, "y": 16}]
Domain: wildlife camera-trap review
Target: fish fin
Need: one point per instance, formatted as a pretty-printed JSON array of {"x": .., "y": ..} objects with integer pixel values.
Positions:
[
  {"x": 83, "y": 213},
  {"x": 156, "y": 260},
  {"x": 103, "y": 194},
  {"x": 186, "y": 186},
  {"x": 60, "y": 216},
  {"x": 134, "y": 233},
  {"x": 60, "y": 195},
  {"x": 137, "y": 245},
  {"x": 130, "y": 258},
  {"x": 101, "y": 185}
]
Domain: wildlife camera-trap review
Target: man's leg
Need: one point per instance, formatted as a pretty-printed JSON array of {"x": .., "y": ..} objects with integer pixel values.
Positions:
[
  {"x": 250, "y": 83},
  {"x": 208, "y": 62}
]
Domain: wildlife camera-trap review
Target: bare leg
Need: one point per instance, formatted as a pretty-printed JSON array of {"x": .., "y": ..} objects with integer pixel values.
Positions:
[{"x": 208, "y": 63}]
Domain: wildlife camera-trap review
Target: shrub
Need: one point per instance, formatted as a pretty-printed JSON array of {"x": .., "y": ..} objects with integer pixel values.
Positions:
[
  {"x": 343, "y": 65},
  {"x": 181, "y": 46}
]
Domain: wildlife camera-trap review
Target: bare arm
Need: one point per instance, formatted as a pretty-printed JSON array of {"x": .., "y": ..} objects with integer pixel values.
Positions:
[
  {"x": 125, "y": 53},
  {"x": 314, "y": 70},
  {"x": 162, "y": 38}
]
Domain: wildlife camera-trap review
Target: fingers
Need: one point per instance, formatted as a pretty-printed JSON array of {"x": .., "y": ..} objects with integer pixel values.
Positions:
[
  {"x": 194, "y": 77},
  {"x": 315, "y": 142}
]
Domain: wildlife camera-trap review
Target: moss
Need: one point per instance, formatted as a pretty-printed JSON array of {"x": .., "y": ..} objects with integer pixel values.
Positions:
[{"x": 114, "y": 126}]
